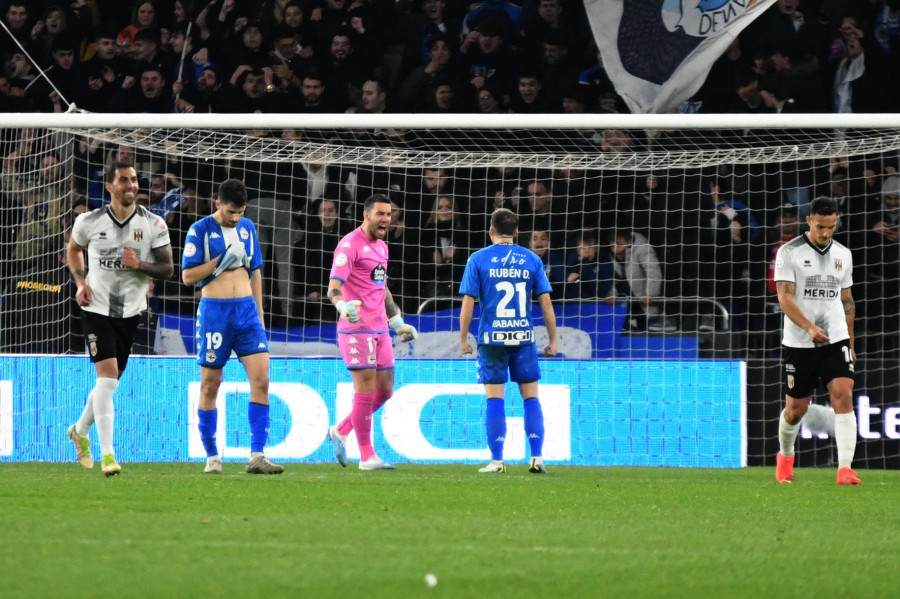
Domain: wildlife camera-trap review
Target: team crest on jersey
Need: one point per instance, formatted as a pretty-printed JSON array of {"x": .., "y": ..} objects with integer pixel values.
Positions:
[
  {"x": 838, "y": 265},
  {"x": 379, "y": 274},
  {"x": 371, "y": 358},
  {"x": 244, "y": 233},
  {"x": 138, "y": 234},
  {"x": 790, "y": 381},
  {"x": 210, "y": 356},
  {"x": 92, "y": 344}
]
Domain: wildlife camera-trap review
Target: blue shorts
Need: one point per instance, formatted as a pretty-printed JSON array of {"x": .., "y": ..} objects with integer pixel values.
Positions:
[
  {"x": 224, "y": 325},
  {"x": 495, "y": 361}
]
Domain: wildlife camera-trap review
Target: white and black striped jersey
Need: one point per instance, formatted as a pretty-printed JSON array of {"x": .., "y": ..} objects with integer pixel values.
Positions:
[
  {"x": 819, "y": 275},
  {"x": 117, "y": 290}
]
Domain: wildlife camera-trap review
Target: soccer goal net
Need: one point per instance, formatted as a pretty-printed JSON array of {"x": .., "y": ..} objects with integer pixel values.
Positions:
[{"x": 658, "y": 236}]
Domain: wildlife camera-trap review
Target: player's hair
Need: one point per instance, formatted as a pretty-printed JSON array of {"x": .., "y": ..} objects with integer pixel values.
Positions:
[
  {"x": 115, "y": 166},
  {"x": 233, "y": 192},
  {"x": 823, "y": 206},
  {"x": 504, "y": 222},
  {"x": 378, "y": 198}
]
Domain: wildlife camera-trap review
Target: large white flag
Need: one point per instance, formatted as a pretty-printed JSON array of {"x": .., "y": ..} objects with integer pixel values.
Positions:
[{"x": 657, "y": 53}]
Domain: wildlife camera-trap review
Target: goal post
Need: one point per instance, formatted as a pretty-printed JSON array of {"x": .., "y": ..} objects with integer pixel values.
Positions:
[{"x": 711, "y": 194}]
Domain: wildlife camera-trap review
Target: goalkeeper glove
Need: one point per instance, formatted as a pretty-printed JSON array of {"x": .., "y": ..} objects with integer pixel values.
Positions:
[
  {"x": 406, "y": 332},
  {"x": 234, "y": 253},
  {"x": 348, "y": 309}
]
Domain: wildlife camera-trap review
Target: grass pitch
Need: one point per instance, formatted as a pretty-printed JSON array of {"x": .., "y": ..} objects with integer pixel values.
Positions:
[{"x": 166, "y": 530}]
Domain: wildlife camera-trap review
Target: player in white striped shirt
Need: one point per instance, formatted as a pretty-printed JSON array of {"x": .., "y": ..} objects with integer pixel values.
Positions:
[{"x": 813, "y": 276}]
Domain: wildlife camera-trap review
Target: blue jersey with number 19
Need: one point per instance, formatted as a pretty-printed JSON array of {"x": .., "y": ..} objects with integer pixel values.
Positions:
[{"x": 503, "y": 277}]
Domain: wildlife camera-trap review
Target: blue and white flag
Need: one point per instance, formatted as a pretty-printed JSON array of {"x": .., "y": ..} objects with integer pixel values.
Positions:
[{"x": 658, "y": 53}]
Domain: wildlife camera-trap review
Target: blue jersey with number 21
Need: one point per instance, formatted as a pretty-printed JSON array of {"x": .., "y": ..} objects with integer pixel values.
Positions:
[{"x": 503, "y": 277}]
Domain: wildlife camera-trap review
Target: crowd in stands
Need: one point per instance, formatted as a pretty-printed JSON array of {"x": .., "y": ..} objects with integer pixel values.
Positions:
[{"x": 603, "y": 236}]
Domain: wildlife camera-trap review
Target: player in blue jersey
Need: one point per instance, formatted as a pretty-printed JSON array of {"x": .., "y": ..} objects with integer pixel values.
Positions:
[
  {"x": 504, "y": 277},
  {"x": 222, "y": 257}
]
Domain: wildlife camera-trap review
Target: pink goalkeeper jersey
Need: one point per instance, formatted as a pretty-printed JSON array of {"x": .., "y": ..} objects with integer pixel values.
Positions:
[{"x": 361, "y": 265}]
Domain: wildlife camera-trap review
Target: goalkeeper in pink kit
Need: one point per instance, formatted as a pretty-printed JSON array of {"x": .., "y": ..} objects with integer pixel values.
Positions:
[{"x": 366, "y": 309}]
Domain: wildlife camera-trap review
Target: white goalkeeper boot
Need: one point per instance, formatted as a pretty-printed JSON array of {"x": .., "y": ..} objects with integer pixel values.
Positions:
[
  {"x": 375, "y": 463},
  {"x": 337, "y": 441}
]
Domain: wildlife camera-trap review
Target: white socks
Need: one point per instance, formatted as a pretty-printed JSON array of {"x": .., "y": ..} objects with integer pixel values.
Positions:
[
  {"x": 787, "y": 436},
  {"x": 104, "y": 412},
  {"x": 83, "y": 426},
  {"x": 845, "y": 438}
]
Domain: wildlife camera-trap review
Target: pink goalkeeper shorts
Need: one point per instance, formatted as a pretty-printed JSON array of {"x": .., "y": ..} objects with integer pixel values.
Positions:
[{"x": 366, "y": 350}]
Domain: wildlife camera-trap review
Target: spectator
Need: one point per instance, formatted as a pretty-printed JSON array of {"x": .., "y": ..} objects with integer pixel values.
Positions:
[
  {"x": 405, "y": 265},
  {"x": 152, "y": 94},
  {"x": 749, "y": 99},
  {"x": 445, "y": 247},
  {"x": 373, "y": 99},
  {"x": 149, "y": 52},
  {"x": 504, "y": 13},
  {"x": 209, "y": 94},
  {"x": 734, "y": 230},
  {"x": 312, "y": 89},
  {"x": 882, "y": 285},
  {"x": 41, "y": 296},
  {"x": 63, "y": 83},
  {"x": 589, "y": 274},
  {"x": 53, "y": 24},
  {"x": 255, "y": 91},
  {"x": 18, "y": 29},
  {"x": 602, "y": 95},
  {"x": 325, "y": 227},
  {"x": 438, "y": 69},
  {"x": 188, "y": 69},
  {"x": 275, "y": 185},
  {"x": 486, "y": 59},
  {"x": 442, "y": 99},
  {"x": 863, "y": 79},
  {"x": 288, "y": 64},
  {"x": 250, "y": 50},
  {"x": 295, "y": 18},
  {"x": 184, "y": 12},
  {"x": 638, "y": 279},
  {"x": 41, "y": 206},
  {"x": 328, "y": 19},
  {"x": 802, "y": 74},
  {"x": 143, "y": 16},
  {"x": 554, "y": 261},
  {"x": 105, "y": 71},
  {"x": 343, "y": 73},
  {"x": 557, "y": 70},
  {"x": 20, "y": 74},
  {"x": 419, "y": 28},
  {"x": 542, "y": 211},
  {"x": 489, "y": 100},
  {"x": 784, "y": 23},
  {"x": 775, "y": 93},
  {"x": 530, "y": 98}
]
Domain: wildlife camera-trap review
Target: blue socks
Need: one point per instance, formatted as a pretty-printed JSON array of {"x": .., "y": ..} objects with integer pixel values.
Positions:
[
  {"x": 208, "y": 420},
  {"x": 495, "y": 420},
  {"x": 534, "y": 425},
  {"x": 259, "y": 427}
]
